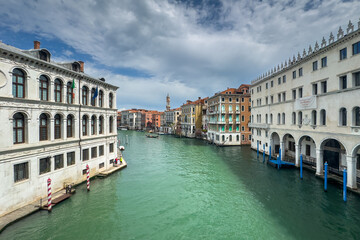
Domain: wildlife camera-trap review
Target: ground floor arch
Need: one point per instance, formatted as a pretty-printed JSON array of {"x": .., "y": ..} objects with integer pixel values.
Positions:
[
  {"x": 289, "y": 148},
  {"x": 307, "y": 148},
  {"x": 275, "y": 143},
  {"x": 334, "y": 153}
]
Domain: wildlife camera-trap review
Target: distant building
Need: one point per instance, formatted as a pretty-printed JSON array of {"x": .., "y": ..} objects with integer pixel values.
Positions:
[
  {"x": 229, "y": 114},
  {"x": 118, "y": 119},
  {"x": 191, "y": 118},
  {"x": 51, "y": 124},
  {"x": 172, "y": 117}
]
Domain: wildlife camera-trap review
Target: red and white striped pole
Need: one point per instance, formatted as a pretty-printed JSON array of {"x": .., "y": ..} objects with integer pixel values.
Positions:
[
  {"x": 87, "y": 177},
  {"x": 49, "y": 194}
]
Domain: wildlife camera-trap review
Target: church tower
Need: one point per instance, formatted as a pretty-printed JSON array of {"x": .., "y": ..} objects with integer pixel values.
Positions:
[{"x": 167, "y": 102}]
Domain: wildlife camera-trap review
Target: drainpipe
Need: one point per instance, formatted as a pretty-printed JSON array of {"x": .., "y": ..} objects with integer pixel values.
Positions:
[{"x": 80, "y": 120}]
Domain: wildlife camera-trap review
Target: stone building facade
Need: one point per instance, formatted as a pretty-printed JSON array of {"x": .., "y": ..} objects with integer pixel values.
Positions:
[
  {"x": 229, "y": 114},
  {"x": 191, "y": 118},
  {"x": 51, "y": 127},
  {"x": 310, "y": 106}
]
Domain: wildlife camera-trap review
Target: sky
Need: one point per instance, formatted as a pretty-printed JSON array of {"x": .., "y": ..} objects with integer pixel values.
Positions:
[{"x": 187, "y": 48}]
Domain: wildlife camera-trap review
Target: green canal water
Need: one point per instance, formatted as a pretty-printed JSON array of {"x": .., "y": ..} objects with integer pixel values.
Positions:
[{"x": 186, "y": 189}]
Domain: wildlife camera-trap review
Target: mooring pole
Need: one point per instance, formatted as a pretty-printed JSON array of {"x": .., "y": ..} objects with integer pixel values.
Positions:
[
  {"x": 49, "y": 194},
  {"x": 279, "y": 158},
  {"x": 270, "y": 153},
  {"x": 301, "y": 166},
  {"x": 325, "y": 178},
  {"x": 263, "y": 153},
  {"x": 257, "y": 149},
  {"x": 87, "y": 177},
  {"x": 344, "y": 181}
]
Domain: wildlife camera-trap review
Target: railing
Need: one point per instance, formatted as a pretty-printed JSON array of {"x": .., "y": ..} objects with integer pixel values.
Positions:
[
  {"x": 309, "y": 160},
  {"x": 259, "y": 125}
]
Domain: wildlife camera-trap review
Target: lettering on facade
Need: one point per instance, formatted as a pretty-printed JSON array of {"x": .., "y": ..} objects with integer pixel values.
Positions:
[{"x": 305, "y": 103}]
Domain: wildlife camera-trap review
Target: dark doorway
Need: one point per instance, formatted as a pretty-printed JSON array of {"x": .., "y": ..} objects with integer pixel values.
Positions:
[
  {"x": 332, "y": 152},
  {"x": 308, "y": 150}
]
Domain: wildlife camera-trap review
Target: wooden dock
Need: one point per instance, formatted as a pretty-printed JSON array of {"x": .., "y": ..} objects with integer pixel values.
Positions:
[{"x": 114, "y": 168}]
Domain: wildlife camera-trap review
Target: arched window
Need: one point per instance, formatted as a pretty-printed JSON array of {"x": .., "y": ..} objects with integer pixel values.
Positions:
[
  {"x": 93, "y": 125},
  {"x": 278, "y": 118},
  {"x": 110, "y": 100},
  {"x": 101, "y": 98},
  {"x": 230, "y": 138},
  {"x": 342, "y": 117},
  {"x": 44, "y": 125},
  {"x": 58, "y": 90},
  {"x": 18, "y": 83},
  {"x": 92, "y": 100},
  {"x": 69, "y": 93},
  {"x": 18, "y": 128},
  {"x": 111, "y": 124},
  {"x": 356, "y": 116},
  {"x": 322, "y": 117},
  {"x": 313, "y": 117},
  {"x": 57, "y": 126},
  {"x": 271, "y": 118},
  {"x": 283, "y": 118},
  {"x": 293, "y": 118},
  {"x": 266, "y": 119},
  {"x": 101, "y": 125},
  {"x": 44, "y": 88},
  {"x": 300, "y": 118},
  {"x": 69, "y": 126},
  {"x": 85, "y": 93},
  {"x": 84, "y": 125}
]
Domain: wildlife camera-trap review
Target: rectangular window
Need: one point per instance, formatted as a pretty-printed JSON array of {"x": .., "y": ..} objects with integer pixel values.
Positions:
[
  {"x": 70, "y": 158},
  {"x": 272, "y": 99},
  {"x": 356, "y": 48},
  {"x": 242, "y": 99},
  {"x": 315, "y": 66},
  {"x": 356, "y": 79},
  {"x": 300, "y": 92},
  {"x": 343, "y": 53},
  {"x": 94, "y": 152},
  {"x": 284, "y": 96},
  {"x": 315, "y": 89},
  {"x": 324, "y": 62},
  {"x": 279, "y": 97},
  {"x": 45, "y": 165},
  {"x": 294, "y": 94},
  {"x": 85, "y": 154},
  {"x": 111, "y": 147},
  {"x": 242, "y": 118},
  {"x": 21, "y": 171},
  {"x": 343, "y": 82},
  {"x": 266, "y": 85},
  {"x": 266, "y": 100},
  {"x": 101, "y": 165},
  {"x": 324, "y": 87},
  {"x": 300, "y": 72},
  {"x": 101, "y": 150},
  {"x": 294, "y": 74},
  {"x": 271, "y": 83},
  {"x": 279, "y": 80},
  {"x": 59, "y": 161},
  {"x": 284, "y": 79}
]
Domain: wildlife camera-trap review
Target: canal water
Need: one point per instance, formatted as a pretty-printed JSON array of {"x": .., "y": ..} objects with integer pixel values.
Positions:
[{"x": 179, "y": 188}]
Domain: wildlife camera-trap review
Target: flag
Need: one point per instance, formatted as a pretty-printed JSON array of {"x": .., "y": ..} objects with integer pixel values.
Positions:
[
  {"x": 72, "y": 87},
  {"x": 96, "y": 92}
]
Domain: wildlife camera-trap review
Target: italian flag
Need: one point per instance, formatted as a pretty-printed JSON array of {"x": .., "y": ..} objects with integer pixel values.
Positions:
[{"x": 72, "y": 87}]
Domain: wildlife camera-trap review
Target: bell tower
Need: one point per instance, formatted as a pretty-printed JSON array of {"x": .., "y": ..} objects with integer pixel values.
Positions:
[{"x": 167, "y": 102}]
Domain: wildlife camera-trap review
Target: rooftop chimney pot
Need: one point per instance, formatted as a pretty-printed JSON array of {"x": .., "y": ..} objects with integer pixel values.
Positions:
[{"x": 36, "y": 45}]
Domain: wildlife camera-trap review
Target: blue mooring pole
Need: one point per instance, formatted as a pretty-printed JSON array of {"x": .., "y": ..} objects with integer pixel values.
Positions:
[
  {"x": 279, "y": 158},
  {"x": 263, "y": 153},
  {"x": 258, "y": 149},
  {"x": 301, "y": 166},
  {"x": 325, "y": 179},
  {"x": 344, "y": 180},
  {"x": 270, "y": 153}
]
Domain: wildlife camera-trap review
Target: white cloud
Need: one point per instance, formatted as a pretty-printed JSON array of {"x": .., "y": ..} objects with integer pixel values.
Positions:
[{"x": 189, "y": 51}]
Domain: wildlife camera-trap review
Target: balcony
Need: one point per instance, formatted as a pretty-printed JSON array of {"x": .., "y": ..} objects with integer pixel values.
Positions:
[{"x": 259, "y": 125}]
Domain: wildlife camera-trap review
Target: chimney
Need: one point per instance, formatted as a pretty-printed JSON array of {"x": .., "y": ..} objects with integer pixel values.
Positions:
[
  {"x": 81, "y": 66},
  {"x": 36, "y": 45},
  {"x": 199, "y": 98}
]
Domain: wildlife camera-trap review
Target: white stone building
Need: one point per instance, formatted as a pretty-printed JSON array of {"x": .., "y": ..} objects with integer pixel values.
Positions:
[
  {"x": 133, "y": 119},
  {"x": 172, "y": 117},
  {"x": 48, "y": 128},
  {"x": 310, "y": 105}
]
